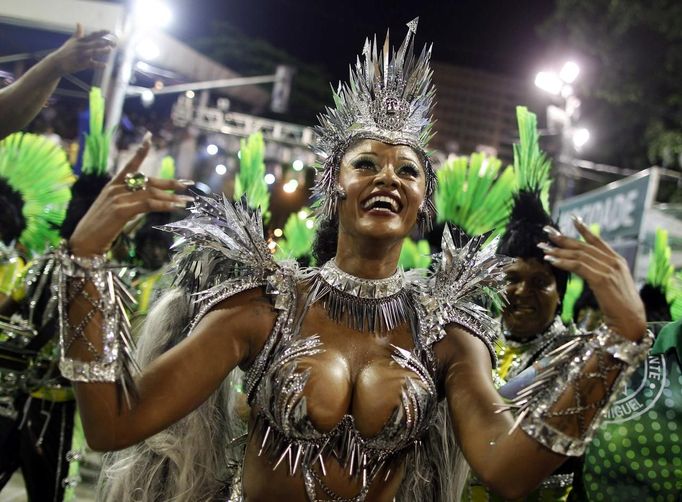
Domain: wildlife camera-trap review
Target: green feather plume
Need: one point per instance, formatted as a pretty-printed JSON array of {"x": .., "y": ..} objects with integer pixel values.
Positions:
[
  {"x": 675, "y": 296},
  {"x": 660, "y": 272},
  {"x": 37, "y": 169},
  {"x": 531, "y": 165},
  {"x": 297, "y": 236},
  {"x": 251, "y": 177},
  {"x": 167, "y": 171},
  {"x": 473, "y": 194},
  {"x": 415, "y": 254},
  {"x": 97, "y": 140}
]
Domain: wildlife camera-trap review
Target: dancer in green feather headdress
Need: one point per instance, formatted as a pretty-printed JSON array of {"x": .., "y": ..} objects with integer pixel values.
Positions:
[
  {"x": 46, "y": 406},
  {"x": 94, "y": 175},
  {"x": 531, "y": 322},
  {"x": 35, "y": 177}
]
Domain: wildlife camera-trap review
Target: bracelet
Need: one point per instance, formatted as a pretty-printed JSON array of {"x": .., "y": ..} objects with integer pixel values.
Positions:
[
  {"x": 564, "y": 368},
  {"x": 115, "y": 361}
]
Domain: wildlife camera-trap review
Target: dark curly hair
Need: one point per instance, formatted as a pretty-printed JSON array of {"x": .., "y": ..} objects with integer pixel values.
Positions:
[
  {"x": 525, "y": 231},
  {"x": 655, "y": 303},
  {"x": 11, "y": 213},
  {"x": 83, "y": 193},
  {"x": 326, "y": 240}
]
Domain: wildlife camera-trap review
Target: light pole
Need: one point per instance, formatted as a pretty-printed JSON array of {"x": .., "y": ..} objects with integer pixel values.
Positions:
[
  {"x": 563, "y": 119},
  {"x": 145, "y": 17}
]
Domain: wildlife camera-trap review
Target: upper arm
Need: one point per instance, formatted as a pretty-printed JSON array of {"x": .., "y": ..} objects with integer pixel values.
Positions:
[
  {"x": 472, "y": 399},
  {"x": 181, "y": 379}
]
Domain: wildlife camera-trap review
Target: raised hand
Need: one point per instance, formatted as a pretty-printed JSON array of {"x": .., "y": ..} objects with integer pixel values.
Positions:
[
  {"x": 82, "y": 52},
  {"x": 607, "y": 274},
  {"x": 118, "y": 203}
]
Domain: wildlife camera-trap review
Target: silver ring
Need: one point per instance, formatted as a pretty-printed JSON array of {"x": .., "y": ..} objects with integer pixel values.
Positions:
[{"x": 135, "y": 182}]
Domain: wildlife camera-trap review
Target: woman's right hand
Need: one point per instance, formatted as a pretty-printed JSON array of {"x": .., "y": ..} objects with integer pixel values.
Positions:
[{"x": 116, "y": 205}]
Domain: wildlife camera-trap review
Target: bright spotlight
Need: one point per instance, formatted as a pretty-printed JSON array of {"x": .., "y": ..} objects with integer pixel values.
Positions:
[
  {"x": 212, "y": 149},
  {"x": 269, "y": 178},
  {"x": 278, "y": 232},
  {"x": 297, "y": 165},
  {"x": 310, "y": 224},
  {"x": 147, "y": 49},
  {"x": 147, "y": 98},
  {"x": 290, "y": 186},
  {"x": 220, "y": 169},
  {"x": 302, "y": 214},
  {"x": 152, "y": 13},
  {"x": 189, "y": 94},
  {"x": 548, "y": 81},
  {"x": 580, "y": 137},
  {"x": 569, "y": 72}
]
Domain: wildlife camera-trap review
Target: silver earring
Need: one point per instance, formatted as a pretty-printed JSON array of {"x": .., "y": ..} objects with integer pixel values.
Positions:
[{"x": 340, "y": 193}]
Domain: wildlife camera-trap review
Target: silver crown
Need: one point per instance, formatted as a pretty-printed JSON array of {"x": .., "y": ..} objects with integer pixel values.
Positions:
[{"x": 389, "y": 97}]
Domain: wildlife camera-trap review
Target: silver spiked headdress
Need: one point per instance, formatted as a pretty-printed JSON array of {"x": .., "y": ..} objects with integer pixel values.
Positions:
[{"x": 389, "y": 97}]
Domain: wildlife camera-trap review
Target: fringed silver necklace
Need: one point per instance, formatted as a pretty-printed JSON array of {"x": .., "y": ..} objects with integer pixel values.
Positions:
[{"x": 375, "y": 305}]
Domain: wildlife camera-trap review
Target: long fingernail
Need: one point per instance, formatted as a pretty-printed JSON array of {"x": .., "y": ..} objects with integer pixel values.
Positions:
[
  {"x": 551, "y": 231},
  {"x": 551, "y": 259},
  {"x": 187, "y": 198},
  {"x": 544, "y": 246},
  {"x": 577, "y": 219},
  {"x": 147, "y": 138},
  {"x": 181, "y": 205},
  {"x": 187, "y": 183}
]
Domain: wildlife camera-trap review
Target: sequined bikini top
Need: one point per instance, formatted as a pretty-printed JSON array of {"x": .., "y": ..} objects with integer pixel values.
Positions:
[{"x": 224, "y": 253}]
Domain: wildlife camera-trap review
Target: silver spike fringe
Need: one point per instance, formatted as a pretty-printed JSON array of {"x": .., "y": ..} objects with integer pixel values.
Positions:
[
  {"x": 389, "y": 97},
  {"x": 562, "y": 369},
  {"x": 374, "y": 305}
]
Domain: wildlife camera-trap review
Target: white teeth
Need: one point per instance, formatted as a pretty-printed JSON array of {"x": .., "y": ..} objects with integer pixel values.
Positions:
[{"x": 380, "y": 198}]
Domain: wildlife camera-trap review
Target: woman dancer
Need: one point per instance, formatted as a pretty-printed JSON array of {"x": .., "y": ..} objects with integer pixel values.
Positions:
[{"x": 350, "y": 368}]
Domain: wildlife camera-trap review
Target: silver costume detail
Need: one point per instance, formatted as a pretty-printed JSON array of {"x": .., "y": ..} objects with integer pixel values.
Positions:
[
  {"x": 115, "y": 361},
  {"x": 362, "y": 304},
  {"x": 564, "y": 369},
  {"x": 389, "y": 98},
  {"x": 223, "y": 252}
]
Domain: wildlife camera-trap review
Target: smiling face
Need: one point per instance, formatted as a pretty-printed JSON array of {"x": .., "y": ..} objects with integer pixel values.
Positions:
[
  {"x": 533, "y": 298},
  {"x": 384, "y": 185}
]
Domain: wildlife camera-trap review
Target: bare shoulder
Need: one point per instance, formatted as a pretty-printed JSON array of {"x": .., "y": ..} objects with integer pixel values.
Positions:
[
  {"x": 244, "y": 320},
  {"x": 460, "y": 347}
]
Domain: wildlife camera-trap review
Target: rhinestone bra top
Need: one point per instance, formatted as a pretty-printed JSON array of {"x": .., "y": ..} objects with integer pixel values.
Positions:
[{"x": 275, "y": 389}]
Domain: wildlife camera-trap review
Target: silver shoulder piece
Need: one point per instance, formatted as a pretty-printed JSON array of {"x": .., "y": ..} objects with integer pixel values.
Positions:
[
  {"x": 466, "y": 277},
  {"x": 599, "y": 359},
  {"x": 222, "y": 252}
]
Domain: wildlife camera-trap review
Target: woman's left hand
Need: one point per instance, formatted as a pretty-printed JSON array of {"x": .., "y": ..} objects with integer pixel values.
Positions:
[{"x": 607, "y": 274}]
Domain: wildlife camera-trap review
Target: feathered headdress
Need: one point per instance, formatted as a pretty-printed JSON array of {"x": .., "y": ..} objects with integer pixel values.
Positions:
[
  {"x": 250, "y": 180},
  {"x": 389, "y": 97},
  {"x": 473, "y": 195},
  {"x": 35, "y": 177},
  {"x": 656, "y": 292},
  {"x": 529, "y": 212},
  {"x": 95, "y": 163},
  {"x": 297, "y": 237}
]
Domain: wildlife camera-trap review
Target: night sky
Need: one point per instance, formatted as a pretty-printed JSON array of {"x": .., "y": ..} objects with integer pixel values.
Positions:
[{"x": 500, "y": 36}]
